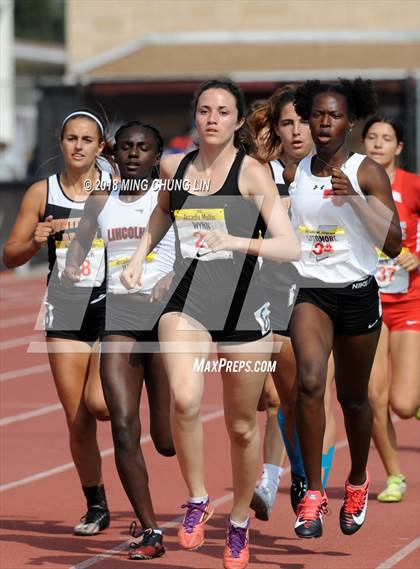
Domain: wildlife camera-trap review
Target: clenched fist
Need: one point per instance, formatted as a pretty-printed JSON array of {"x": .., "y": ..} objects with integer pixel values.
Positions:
[{"x": 43, "y": 230}]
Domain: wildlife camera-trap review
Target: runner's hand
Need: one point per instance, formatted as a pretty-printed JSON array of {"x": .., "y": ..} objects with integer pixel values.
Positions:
[
  {"x": 408, "y": 261},
  {"x": 43, "y": 230},
  {"x": 70, "y": 276},
  {"x": 341, "y": 186},
  {"x": 130, "y": 277},
  {"x": 161, "y": 288},
  {"x": 217, "y": 240}
]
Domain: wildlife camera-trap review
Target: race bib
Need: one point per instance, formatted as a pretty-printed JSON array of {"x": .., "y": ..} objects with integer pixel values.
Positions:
[
  {"x": 116, "y": 266},
  {"x": 92, "y": 270},
  {"x": 327, "y": 245},
  {"x": 191, "y": 223},
  {"x": 390, "y": 276}
]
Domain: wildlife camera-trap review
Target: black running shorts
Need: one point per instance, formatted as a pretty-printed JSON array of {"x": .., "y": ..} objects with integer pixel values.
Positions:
[{"x": 354, "y": 309}]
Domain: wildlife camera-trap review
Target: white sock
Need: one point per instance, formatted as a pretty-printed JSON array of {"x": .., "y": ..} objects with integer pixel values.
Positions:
[
  {"x": 242, "y": 525},
  {"x": 198, "y": 500},
  {"x": 271, "y": 476}
]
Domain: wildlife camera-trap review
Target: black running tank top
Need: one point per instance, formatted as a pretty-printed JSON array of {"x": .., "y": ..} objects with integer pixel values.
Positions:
[{"x": 227, "y": 210}]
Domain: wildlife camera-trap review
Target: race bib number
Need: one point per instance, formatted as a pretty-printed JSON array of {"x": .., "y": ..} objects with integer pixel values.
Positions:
[
  {"x": 327, "y": 245},
  {"x": 92, "y": 270},
  {"x": 191, "y": 223},
  {"x": 390, "y": 276}
]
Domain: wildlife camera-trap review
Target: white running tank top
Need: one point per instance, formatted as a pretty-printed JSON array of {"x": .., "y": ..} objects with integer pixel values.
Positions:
[
  {"x": 122, "y": 226},
  {"x": 335, "y": 246}
]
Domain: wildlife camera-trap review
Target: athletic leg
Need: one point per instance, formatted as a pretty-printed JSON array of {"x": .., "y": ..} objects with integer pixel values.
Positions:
[
  {"x": 312, "y": 338},
  {"x": 273, "y": 454},
  {"x": 157, "y": 386},
  {"x": 328, "y": 447},
  {"x": 122, "y": 376},
  {"x": 383, "y": 431},
  {"x": 241, "y": 393},
  {"x": 94, "y": 395},
  {"x": 70, "y": 370},
  {"x": 352, "y": 377},
  {"x": 186, "y": 388},
  {"x": 405, "y": 361}
]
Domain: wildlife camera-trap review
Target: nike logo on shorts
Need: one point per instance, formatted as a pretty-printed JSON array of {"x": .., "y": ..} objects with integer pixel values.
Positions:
[{"x": 372, "y": 325}]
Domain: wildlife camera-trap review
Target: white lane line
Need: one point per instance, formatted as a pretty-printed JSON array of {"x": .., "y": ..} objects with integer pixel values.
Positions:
[
  {"x": 172, "y": 523},
  {"x": 400, "y": 555},
  {"x": 16, "y": 342},
  {"x": 30, "y": 414},
  {"x": 33, "y": 370},
  {"x": 19, "y": 320},
  {"x": 70, "y": 465}
]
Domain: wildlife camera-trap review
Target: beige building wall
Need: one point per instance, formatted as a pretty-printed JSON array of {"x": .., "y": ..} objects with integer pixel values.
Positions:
[{"x": 108, "y": 28}]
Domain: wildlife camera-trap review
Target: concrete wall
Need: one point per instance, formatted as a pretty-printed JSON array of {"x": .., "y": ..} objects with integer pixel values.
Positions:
[{"x": 95, "y": 28}]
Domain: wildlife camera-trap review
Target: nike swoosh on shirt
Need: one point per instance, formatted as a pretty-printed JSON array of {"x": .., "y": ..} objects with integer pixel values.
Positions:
[
  {"x": 410, "y": 322},
  {"x": 204, "y": 253}
]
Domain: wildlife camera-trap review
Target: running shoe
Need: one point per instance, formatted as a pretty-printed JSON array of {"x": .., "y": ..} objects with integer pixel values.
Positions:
[
  {"x": 353, "y": 510},
  {"x": 262, "y": 502},
  {"x": 395, "y": 489},
  {"x": 236, "y": 552},
  {"x": 96, "y": 519},
  {"x": 298, "y": 489},
  {"x": 191, "y": 532},
  {"x": 150, "y": 545},
  {"x": 310, "y": 511}
]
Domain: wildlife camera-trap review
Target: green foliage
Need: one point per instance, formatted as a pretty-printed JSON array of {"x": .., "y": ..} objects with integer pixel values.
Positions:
[{"x": 41, "y": 20}]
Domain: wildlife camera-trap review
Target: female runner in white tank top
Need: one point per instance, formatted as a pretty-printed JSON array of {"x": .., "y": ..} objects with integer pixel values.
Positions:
[
  {"x": 342, "y": 207},
  {"x": 122, "y": 213}
]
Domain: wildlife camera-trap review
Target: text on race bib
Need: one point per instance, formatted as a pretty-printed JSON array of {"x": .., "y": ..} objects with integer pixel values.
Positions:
[
  {"x": 92, "y": 270},
  {"x": 327, "y": 244},
  {"x": 191, "y": 224}
]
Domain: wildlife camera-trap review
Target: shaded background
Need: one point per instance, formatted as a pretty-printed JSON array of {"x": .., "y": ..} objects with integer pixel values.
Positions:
[{"x": 136, "y": 59}]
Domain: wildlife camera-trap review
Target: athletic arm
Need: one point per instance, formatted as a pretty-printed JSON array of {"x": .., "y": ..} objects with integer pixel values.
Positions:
[
  {"x": 82, "y": 241},
  {"x": 378, "y": 212},
  {"x": 28, "y": 233},
  {"x": 257, "y": 184},
  {"x": 159, "y": 223}
]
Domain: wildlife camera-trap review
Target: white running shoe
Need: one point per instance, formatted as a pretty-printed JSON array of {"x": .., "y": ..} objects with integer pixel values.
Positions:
[{"x": 262, "y": 502}]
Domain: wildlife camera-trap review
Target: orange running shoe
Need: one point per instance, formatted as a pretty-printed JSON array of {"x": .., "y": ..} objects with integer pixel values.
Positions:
[
  {"x": 353, "y": 510},
  {"x": 236, "y": 553},
  {"x": 191, "y": 532}
]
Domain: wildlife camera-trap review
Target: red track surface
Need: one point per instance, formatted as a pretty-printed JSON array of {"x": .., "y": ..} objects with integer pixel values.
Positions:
[{"x": 38, "y": 514}]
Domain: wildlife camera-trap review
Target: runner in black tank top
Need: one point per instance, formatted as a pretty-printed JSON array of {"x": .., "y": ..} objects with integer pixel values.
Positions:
[
  {"x": 216, "y": 269},
  {"x": 237, "y": 302},
  {"x": 49, "y": 213}
]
